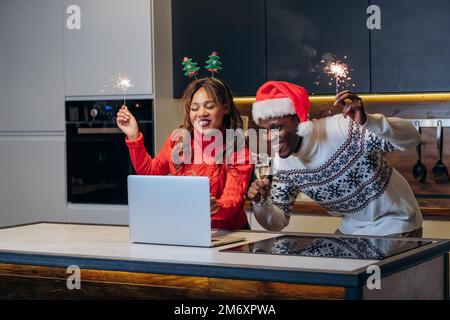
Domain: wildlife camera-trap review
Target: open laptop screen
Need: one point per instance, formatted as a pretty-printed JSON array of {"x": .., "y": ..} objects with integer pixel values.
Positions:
[{"x": 169, "y": 210}]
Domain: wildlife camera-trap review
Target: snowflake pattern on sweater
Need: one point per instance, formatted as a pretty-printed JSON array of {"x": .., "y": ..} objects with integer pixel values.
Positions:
[{"x": 355, "y": 175}]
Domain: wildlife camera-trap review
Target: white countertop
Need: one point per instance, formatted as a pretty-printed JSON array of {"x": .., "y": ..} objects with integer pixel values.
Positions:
[{"x": 112, "y": 242}]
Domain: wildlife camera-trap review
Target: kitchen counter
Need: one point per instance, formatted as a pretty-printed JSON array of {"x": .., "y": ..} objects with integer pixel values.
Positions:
[{"x": 37, "y": 255}]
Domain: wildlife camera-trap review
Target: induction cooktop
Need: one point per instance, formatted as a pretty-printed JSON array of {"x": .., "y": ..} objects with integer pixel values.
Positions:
[{"x": 330, "y": 247}]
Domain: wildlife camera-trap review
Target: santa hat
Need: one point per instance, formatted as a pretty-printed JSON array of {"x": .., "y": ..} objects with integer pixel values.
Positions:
[{"x": 279, "y": 98}]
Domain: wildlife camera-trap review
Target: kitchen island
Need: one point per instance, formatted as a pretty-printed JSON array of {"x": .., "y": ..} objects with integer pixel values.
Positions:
[{"x": 41, "y": 261}]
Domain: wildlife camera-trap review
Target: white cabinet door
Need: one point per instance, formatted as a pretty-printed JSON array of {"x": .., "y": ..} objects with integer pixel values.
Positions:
[
  {"x": 32, "y": 179},
  {"x": 31, "y": 66},
  {"x": 104, "y": 39}
]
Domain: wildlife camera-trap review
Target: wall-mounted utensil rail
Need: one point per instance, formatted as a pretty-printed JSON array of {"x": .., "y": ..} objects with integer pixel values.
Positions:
[
  {"x": 439, "y": 171},
  {"x": 430, "y": 123}
]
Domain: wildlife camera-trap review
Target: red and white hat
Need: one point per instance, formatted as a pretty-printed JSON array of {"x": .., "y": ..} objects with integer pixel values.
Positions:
[{"x": 279, "y": 98}]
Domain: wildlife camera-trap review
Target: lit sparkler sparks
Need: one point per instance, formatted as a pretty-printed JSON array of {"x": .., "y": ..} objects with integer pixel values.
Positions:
[
  {"x": 338, "y": 71},
  {"x": 123, "y": 83},
  {"x": 334, "y": 72}
]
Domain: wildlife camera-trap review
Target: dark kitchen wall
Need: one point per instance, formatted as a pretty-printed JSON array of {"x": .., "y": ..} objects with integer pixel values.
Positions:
[
  {"x": 302, "y": 33},
  {"x": 233, "y": 28},
  {"x": 411, "y": 51},
  {"x": 263, "y": 40}
]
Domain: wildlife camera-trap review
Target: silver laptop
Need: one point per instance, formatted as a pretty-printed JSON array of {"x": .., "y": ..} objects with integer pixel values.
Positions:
[{"x": 172, "y": 210}]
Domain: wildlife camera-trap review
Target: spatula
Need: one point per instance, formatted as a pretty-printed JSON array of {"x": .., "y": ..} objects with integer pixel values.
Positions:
[
  {"x": 440, "y": 173},
  {"x": 419, "y": 170}
]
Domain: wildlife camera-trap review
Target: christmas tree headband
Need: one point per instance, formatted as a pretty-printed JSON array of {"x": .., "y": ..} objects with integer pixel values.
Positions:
[{"x": 213, "y": 65}]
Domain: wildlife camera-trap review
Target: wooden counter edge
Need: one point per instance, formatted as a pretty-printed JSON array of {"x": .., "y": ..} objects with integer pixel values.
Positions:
[
  {"x": 310, "y": 207},
  {"x": 39, "y": 282}
]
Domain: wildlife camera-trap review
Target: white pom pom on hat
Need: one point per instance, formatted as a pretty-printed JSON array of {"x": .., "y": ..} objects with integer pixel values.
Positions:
[
  {"x": 304, "y": 128},
  {"x": 280, "y": 98}
]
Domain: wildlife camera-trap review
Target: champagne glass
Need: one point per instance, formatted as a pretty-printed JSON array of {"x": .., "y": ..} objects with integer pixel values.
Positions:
[{"x": 262, "y": 170}]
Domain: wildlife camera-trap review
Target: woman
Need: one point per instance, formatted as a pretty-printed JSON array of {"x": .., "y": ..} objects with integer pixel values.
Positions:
[{"x": 208, "y": 107}]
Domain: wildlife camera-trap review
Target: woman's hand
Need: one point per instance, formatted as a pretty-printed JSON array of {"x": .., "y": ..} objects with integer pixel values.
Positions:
[
  {"x": 214, "y": 206},
  {"x": 127, "y": 123}
]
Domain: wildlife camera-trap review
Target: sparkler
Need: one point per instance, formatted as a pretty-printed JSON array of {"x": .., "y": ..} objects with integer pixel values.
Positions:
[
  {"x": 339, "y": 71},
  {"x": 123, "y": 83},
  {"x": 336, "y": 71}
]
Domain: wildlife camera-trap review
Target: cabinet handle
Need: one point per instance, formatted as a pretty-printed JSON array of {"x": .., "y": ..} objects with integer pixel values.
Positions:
[{"x": 98, "y": 130}]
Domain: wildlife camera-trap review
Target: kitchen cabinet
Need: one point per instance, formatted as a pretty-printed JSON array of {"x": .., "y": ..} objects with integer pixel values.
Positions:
[
  {"x": 106, "y": 39},
  {"x": 32, "y": 179},
  {"x": 288, "y": 39},
  {"x": 410, "y": 52},
  {"x": 301, "y": 33},
  {"x": 234, "y": 28},
  {"x": 31, "y": 66}
]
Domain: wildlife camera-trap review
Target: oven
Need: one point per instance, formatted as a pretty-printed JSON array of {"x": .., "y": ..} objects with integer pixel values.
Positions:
[{"x": 98, "y": 161}]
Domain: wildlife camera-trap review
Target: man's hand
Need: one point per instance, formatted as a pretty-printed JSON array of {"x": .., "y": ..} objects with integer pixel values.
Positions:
[
  {"x": 259, "y": 189},
  {"x": 352, "y": 106}
]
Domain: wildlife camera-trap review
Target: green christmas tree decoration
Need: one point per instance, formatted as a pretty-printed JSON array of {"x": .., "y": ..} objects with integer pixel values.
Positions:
[
  {"x": 213, "y": 64},
  {"x": 190, "y": 68}
]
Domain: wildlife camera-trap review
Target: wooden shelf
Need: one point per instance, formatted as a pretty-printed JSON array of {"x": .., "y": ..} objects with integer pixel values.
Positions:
[{"x": 429, "y": 207}]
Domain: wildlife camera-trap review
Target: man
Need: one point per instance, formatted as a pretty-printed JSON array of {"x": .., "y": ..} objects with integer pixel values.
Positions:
[{"x": 336, "y": 161}]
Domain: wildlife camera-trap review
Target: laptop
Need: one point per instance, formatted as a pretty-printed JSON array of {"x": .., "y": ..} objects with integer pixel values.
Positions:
[{"x": 173, "y": 210}]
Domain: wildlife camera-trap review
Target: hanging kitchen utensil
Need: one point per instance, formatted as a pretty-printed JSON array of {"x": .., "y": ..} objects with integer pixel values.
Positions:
[
  {"x": 440, "y": 173},
  {"x": 419, "y": 171}
]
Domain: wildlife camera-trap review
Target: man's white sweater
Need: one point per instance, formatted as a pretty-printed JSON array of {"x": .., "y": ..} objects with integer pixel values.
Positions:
[{"x": 340, "y": 165}]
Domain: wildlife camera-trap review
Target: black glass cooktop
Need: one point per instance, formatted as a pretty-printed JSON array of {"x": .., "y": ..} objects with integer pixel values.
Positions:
[{"x": 331, "y": 247}]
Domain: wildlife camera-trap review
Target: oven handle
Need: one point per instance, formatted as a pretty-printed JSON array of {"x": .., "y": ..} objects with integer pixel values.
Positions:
[{"x": 98, "y": 130}]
